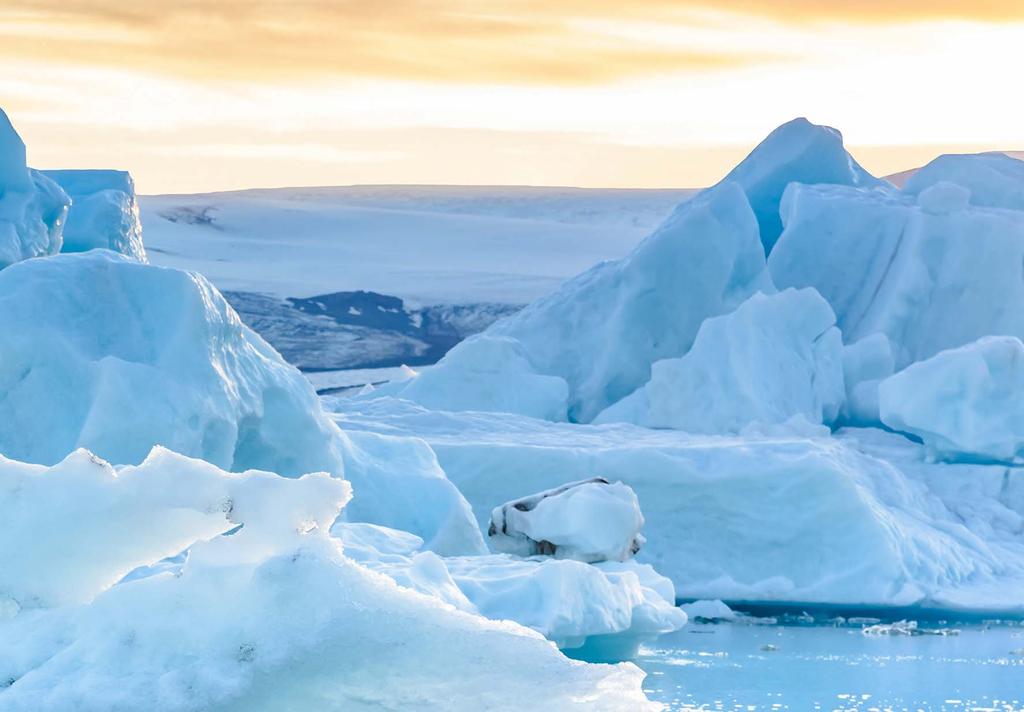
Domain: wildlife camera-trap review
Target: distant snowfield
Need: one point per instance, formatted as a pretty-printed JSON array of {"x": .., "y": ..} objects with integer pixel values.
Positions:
[{"x": 426, "y": 245}]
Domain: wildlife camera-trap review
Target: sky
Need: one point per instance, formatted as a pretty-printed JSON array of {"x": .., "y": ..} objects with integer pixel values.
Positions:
[{"x": 194, "y": 95}]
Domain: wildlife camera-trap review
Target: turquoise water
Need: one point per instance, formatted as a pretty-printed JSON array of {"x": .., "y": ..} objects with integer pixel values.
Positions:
[{"x": 824, "y": 667}]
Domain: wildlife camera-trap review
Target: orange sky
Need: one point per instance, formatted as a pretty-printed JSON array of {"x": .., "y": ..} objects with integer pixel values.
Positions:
[{"x": 224, "y": 94}]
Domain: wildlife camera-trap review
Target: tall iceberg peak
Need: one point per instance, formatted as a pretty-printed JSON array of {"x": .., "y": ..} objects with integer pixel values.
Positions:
[
  {"x": 602, "y": 330},
  {"x": 32, "y": 207},
  {"x": 796, "y": 152}
]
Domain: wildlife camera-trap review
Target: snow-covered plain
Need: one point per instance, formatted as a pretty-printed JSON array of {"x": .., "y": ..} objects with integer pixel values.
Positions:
[{"x": 367, "y": 277}]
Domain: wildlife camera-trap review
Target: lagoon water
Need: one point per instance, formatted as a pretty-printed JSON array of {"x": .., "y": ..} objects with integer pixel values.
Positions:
[{"x": 743, "y": 666}]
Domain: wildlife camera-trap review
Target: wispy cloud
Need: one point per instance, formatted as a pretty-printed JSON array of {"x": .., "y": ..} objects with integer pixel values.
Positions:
[{"x": 509, "y": 41}]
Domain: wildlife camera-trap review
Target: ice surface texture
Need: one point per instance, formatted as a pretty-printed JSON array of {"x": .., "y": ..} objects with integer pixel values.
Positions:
[
  {"x": 775, "y": 358},
  {"x": 965, "y": 402},
  {"x": 104, "y": 212},
  {"x": 994, "y": 180},
  {"x": 930, "y": 275}
]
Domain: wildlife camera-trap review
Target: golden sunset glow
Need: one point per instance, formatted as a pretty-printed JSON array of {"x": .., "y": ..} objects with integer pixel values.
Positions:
[{"x": 226, "y": 94}]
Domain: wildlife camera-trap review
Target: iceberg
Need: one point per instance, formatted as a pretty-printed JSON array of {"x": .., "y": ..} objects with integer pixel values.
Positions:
[
  {"x": 964, "y": 402},
  {"x": 32, "y": 207},
  {"x": 930, "y": 273},
  {"x": 776, "y": 358},
  {"x": 602, "y": 330},
  {"x": 104, "y": 212},
  {"x": 994, "y": 180},
  {"x": 272, "y": 616},
  {"x": 139, "y": 356},
  {"x": 796, "y": 152},
  {"x": 589, "y": 521}
]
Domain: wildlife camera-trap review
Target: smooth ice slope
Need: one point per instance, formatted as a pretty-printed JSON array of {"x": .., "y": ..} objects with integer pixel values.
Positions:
[
  {"x": 758, "y": 517},
  {"x": 590, "y": 521},
  {"x": 994, "y": 180},
  {"x": 491, "y": 373},
  {"x": 775, "y": 358},
  {"x": 271, "y": 617},
  {"x": 796, "y": 152},
  {"x": 602, "y": 330},
  {"x": 964, "y": 402},
  {"x": 131, "y": 356},
  {"x": 927, "y": 274},
  {"x": 32, "y": 207},
  {"x": 104, "y": 212}
]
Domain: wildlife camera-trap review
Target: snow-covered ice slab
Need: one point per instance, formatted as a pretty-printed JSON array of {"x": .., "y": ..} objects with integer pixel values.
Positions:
[
  {"x": 853, "y": 519},
  {"x": 104, "y": 212},
  {"x": 775, "y": 358},
  {"x": 274, "y": 616},
  {"x": 32, "y": 206},
  {"x": 590, "y": 521},
  {"x": 994, "y": 180},
  {"x": 930, "y": 273},
  {"x": 75, "y": 529},
  {"x": 964, "y": 402}
]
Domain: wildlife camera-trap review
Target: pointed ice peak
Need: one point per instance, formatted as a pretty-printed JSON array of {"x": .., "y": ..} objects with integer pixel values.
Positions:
[
  {"x": 13, "y": 170},
  {"x": 796, "y": 152}
]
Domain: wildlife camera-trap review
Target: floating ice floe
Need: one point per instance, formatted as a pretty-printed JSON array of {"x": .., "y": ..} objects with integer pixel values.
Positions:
[
  {"x": 273, "y": 616},
  {"x": 104, "y": 212},
  {"x": 709, "y": 611},
  {"x": 966, "y": 402},
  {"x": 32, "y": 206},
  {"x": 598, "y": 612},
  {"x": 590, "y": 521},
  {"x": 775, "y": 358}
]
